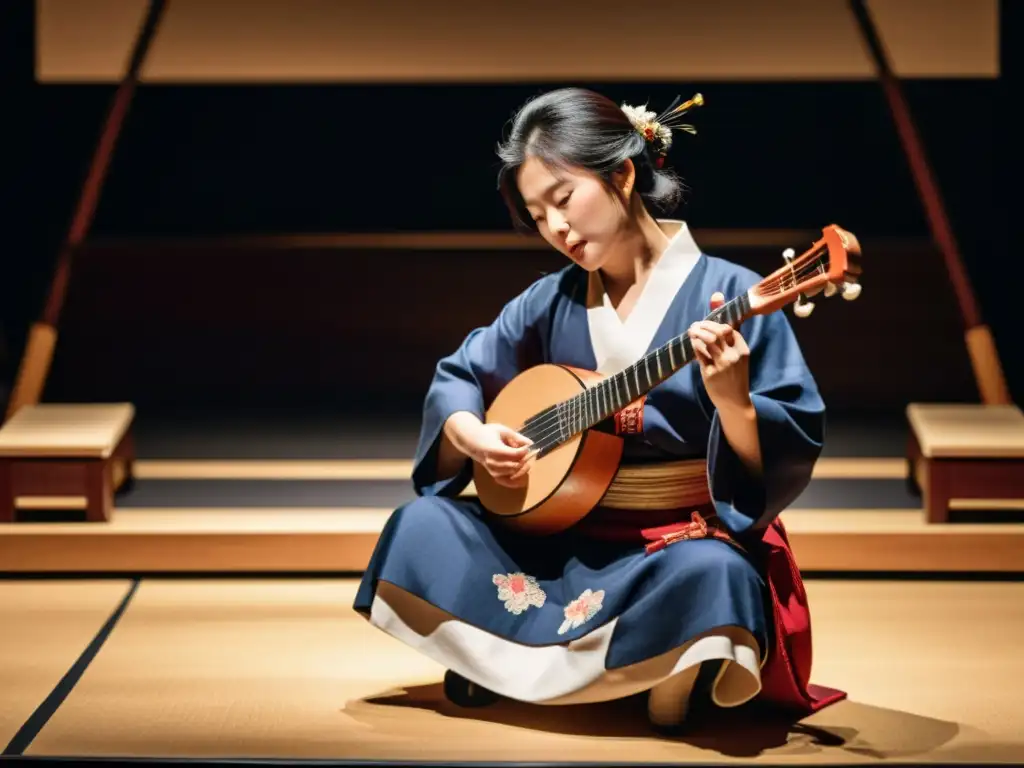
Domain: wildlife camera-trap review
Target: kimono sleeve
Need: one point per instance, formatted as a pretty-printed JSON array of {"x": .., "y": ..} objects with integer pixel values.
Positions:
[
  {"x": 790, "y": 424},
  {"x": 472, "y": 376}
]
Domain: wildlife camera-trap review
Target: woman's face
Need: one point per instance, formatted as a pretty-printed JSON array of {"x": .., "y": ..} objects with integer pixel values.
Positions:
[{"x": 574, "y": 210}]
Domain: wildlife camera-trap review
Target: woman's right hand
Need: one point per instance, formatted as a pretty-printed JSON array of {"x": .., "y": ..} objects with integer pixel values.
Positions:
[{"x": 502, "y": 451}]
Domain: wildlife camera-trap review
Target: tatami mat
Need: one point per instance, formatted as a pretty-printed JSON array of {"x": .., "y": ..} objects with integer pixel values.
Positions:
[
  {"x": 234, "y": 669},
  {"x": 44, "y": 627},
  {"x": 285, "y": 669}
]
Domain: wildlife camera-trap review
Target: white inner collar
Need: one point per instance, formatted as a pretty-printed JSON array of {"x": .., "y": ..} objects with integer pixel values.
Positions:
[{"x": 618, "y": 343}]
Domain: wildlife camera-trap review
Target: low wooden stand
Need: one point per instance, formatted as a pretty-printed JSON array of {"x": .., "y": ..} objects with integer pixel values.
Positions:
[
  {"x": 60, "y": 450},
  {"x": 965, "y": 452}
]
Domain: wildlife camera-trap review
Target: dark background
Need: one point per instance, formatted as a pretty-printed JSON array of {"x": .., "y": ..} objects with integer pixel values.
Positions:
[{"x": 158, "y": 315}]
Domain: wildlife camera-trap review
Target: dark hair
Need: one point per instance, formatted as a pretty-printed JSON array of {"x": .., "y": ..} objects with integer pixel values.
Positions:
[{"x": 581, "y": 128}]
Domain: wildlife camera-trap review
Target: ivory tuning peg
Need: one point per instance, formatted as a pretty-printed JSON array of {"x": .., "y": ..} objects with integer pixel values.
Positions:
[
  {"x": 803, "y": 307},
  {"x": 830, "y": 289},
  {"x": 851, "y": 291}
]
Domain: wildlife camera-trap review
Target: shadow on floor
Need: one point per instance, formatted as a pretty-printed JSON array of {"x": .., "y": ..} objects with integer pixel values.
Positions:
[{"x": 847, "y": 730}]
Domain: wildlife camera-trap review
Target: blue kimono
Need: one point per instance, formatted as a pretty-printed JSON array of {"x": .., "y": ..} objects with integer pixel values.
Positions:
[{"x": 569, "y": 618}]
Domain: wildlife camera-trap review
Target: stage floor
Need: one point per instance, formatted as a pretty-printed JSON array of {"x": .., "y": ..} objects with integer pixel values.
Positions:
[
  {"x": 204, "y": 665},
  {"x": 283, "y": 669}
]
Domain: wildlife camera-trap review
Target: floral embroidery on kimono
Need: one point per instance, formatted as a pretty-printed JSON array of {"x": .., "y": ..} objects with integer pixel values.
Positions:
[
  {"x": 581, "y": 610},
  {"x": 519, "y": 591}
]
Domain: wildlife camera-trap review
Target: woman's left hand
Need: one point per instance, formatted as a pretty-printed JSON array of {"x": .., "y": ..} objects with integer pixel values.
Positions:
[{"x": 723, "y": 357}]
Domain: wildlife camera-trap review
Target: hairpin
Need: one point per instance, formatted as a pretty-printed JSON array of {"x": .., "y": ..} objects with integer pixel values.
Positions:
[{"x": 657, "y": 129}]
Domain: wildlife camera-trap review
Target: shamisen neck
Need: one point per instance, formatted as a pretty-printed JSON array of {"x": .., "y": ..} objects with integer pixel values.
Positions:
[{"x": 561, "y": 421}]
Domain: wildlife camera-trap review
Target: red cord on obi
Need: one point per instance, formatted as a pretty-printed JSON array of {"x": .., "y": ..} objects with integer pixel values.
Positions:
[{"x": 697, "y": 528}]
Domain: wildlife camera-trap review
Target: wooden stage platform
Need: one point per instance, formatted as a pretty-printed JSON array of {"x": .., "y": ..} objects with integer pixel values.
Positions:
[
  {"x": 292, "y": 515},
  {"x": 210, "y": 619},
  {"x": 282, "y": 669},
  {"x": 340, "y": 539}
]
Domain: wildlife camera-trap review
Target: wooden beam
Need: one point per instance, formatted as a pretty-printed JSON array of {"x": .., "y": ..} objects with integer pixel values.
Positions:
[
  {"x": 442, "y": 240},
  {"x": 35, "y": 363},
  {"x": 988, "y": 371}
]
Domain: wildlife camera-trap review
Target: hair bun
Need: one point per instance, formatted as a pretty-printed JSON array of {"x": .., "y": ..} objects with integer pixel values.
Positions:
[{"x": 579, "y": 128}]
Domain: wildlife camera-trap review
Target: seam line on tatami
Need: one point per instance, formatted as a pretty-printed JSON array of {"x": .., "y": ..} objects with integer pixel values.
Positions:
[{"x": 49, "y": 706}]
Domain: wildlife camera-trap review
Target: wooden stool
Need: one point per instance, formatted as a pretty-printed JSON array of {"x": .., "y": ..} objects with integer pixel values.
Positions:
[
  {"x": 66, "y": 450},
  {"x": 965, "y": 452}
]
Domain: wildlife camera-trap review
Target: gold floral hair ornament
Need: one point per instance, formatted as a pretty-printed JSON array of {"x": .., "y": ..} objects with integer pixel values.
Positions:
[{"x": 657, "y": 129}]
